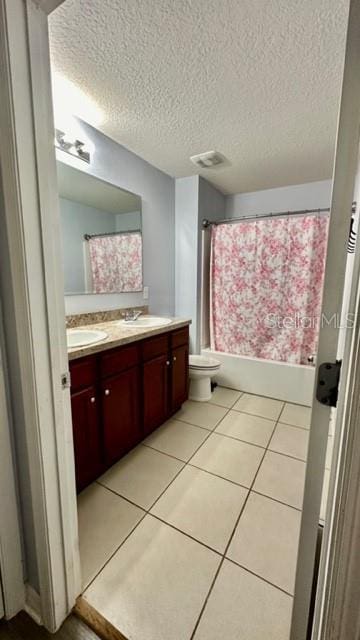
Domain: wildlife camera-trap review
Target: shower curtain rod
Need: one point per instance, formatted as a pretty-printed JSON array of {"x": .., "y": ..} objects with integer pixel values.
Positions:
[
  {"x": 87, "y": 236},
  {"x": 207, "y": 223}
]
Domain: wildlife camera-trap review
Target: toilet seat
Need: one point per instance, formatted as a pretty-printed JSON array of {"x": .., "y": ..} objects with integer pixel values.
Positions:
[{"x": 201, "y": 362}]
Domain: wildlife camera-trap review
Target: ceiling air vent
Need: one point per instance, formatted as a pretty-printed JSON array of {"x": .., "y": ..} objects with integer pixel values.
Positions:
[{"x": 208, "y": 160}]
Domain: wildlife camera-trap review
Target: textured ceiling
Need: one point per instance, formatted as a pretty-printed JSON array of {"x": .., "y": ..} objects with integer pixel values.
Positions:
[{"x": 257, "y": 80}]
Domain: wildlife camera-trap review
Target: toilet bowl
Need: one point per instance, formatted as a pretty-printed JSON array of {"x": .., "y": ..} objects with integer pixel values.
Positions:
[{"x": 201, "y": 370}]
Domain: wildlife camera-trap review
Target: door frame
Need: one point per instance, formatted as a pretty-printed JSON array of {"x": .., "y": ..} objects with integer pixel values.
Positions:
[
  {"x": 337, "y": 613},
  {"x": 344, "y": 176},
  {"x": 27, "y": 128},
  {"x": 31, "y": 236},
  {"x": 12, "y": 591}
]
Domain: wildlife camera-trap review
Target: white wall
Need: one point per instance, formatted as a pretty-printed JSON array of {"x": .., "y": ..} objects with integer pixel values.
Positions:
[
  {"x": 195, "y": 198},
  {"x": 113, "y": 163},
  {"x": 299, "y": 196},
  {"x": 186, "y": 251}
]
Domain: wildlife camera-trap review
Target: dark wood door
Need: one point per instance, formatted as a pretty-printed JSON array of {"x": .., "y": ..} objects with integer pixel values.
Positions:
[
  {"x": 179, "y": 376},
  {"x": 155, "y": 392},
  {"x": 87, "y": 443},
  {"x": 121, "y": 415}
]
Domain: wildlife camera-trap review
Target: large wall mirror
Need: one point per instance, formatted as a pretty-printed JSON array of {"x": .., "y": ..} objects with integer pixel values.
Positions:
[{"x": 101, "y": 234}]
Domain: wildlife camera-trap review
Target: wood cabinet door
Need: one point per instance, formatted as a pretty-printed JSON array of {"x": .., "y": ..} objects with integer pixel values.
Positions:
[
  {"x": 179, "y": 376},
  {"x": 86, "y": 435},
  {"x": 155, "y": 392},
  {"x": 121, "y": 415}
]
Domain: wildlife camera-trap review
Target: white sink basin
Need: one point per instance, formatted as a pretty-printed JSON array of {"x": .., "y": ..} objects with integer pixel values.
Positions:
[
  {"x": 146, "y": 322},
  {"x": 82, "y": 337}
]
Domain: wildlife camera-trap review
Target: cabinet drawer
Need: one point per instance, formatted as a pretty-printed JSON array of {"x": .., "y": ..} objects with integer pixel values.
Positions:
[
  {"x": 118, "y": 360},
  {"x": 154, "y": 347},
  {"x": 83, "y": 373},
  {"x": 180, "y": 337}
]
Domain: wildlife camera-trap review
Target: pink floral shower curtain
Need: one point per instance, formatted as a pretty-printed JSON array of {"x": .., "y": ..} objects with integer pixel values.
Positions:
[
  {"x": 266, "y": 287},
  {"x": 116, "y": 262}
]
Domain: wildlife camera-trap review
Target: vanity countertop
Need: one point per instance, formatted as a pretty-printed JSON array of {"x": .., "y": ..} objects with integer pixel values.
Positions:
[{"x": 119, "y": 335}]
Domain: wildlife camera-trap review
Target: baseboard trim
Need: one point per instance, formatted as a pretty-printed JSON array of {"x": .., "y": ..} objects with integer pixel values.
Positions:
[
  {"x": 96, "y": 621},
  {"x": 33, "y": 604}
]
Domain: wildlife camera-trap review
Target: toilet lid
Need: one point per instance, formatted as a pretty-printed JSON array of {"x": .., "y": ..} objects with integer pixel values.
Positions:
[{"x": 201, "y": 362}]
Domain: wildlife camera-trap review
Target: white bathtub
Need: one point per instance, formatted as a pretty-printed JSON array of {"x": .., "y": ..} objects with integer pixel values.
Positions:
[{"x": 290, "y": 382}]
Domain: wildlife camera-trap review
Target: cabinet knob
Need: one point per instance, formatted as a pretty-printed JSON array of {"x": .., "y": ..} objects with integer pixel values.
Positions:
[
  {"x": 174, "y": 358},
  {"x": 92, "y": 399},
  {"x": 167, "y": 363},
  {"x": 107, "y": 392}
]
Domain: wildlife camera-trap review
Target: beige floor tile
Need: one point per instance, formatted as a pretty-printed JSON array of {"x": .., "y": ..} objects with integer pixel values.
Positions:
[
  {"x": 296, "y": 415},
  {"x": 281, "y": 478},
  {"x": 229, "y": 458},
  {"x": 155, "y": 585},
  {"x": 259, "y": 406},
  {"x": 202, "y": 505},
  {"x": 244, "y": 607},
  {"x": 224, "y": 397},
  {"x": 266, "y": 541},
  {"x": 291, "y": 441},
  {"x": 142, "y": 475},
  {"x": 105, "y": 520},
  {"x": 201, "y": 414},
  {"x": 245, "y": 426},
  {"x": 177, "y": 439}
]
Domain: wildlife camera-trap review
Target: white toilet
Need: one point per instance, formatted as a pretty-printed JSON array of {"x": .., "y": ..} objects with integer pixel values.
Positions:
[{"x": 201, "y": 370}]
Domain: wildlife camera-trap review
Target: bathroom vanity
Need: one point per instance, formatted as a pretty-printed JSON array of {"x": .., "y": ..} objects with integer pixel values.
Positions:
[{"x": 122, "y": 389}]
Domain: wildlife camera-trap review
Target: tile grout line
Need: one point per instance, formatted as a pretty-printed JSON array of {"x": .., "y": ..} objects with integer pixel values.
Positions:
[
  {"x": 256, "y": 415},
  {"x": 147, "y": 512},
  {"x": 173, "y": 419},
  {"x": 237, "y": 564},
  {"x": 210, "y": 473},
  {"x": 256, "y": 395},
  {"x": 188, "y": 535},
  {"x": 120, "y": 495},
  {"x": 226, "y": 435},
  {"x": 284, "y": 504},
  {"x": 246, "y": 413},
  {"x": 286, "y": 455},
  {"x": 113, "y": 554},
  {"x": 188, "y": 462},
  {"x": 229, "y": 542},
  {"x": 295, "y": 426}
]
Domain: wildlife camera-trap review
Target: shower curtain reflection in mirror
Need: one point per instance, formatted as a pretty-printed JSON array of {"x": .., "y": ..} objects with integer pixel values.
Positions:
[
  {"x": 266, "y": 287},
  {"x": 116, "y": 262}
]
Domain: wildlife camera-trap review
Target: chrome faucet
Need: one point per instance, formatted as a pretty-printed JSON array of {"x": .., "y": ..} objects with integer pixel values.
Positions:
[{"x": 131, "y": 315}]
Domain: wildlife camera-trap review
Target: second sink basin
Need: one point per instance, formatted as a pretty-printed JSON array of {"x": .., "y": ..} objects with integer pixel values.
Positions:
[
  {"x": 146, "y": 321},
  {"x": 82, "y": 337}
]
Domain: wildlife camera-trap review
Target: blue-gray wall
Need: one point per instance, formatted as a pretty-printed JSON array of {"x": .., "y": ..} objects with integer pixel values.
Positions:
[
  {"x": 128, "y": 221},
  {"x": 113, "y": 163},
  {"x": 186, "y": 251},
  {"x": 77, "y": 219},
  {"x": 296, "y": 196},
  {"x": 195, "y": 199}
]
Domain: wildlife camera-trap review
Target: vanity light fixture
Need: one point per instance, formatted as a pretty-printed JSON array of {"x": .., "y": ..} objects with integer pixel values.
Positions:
[{"x": 75, "y": 148}]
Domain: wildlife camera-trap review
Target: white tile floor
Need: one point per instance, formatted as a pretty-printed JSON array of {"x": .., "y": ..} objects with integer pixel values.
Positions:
[{"x": 198, "y": 527}]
